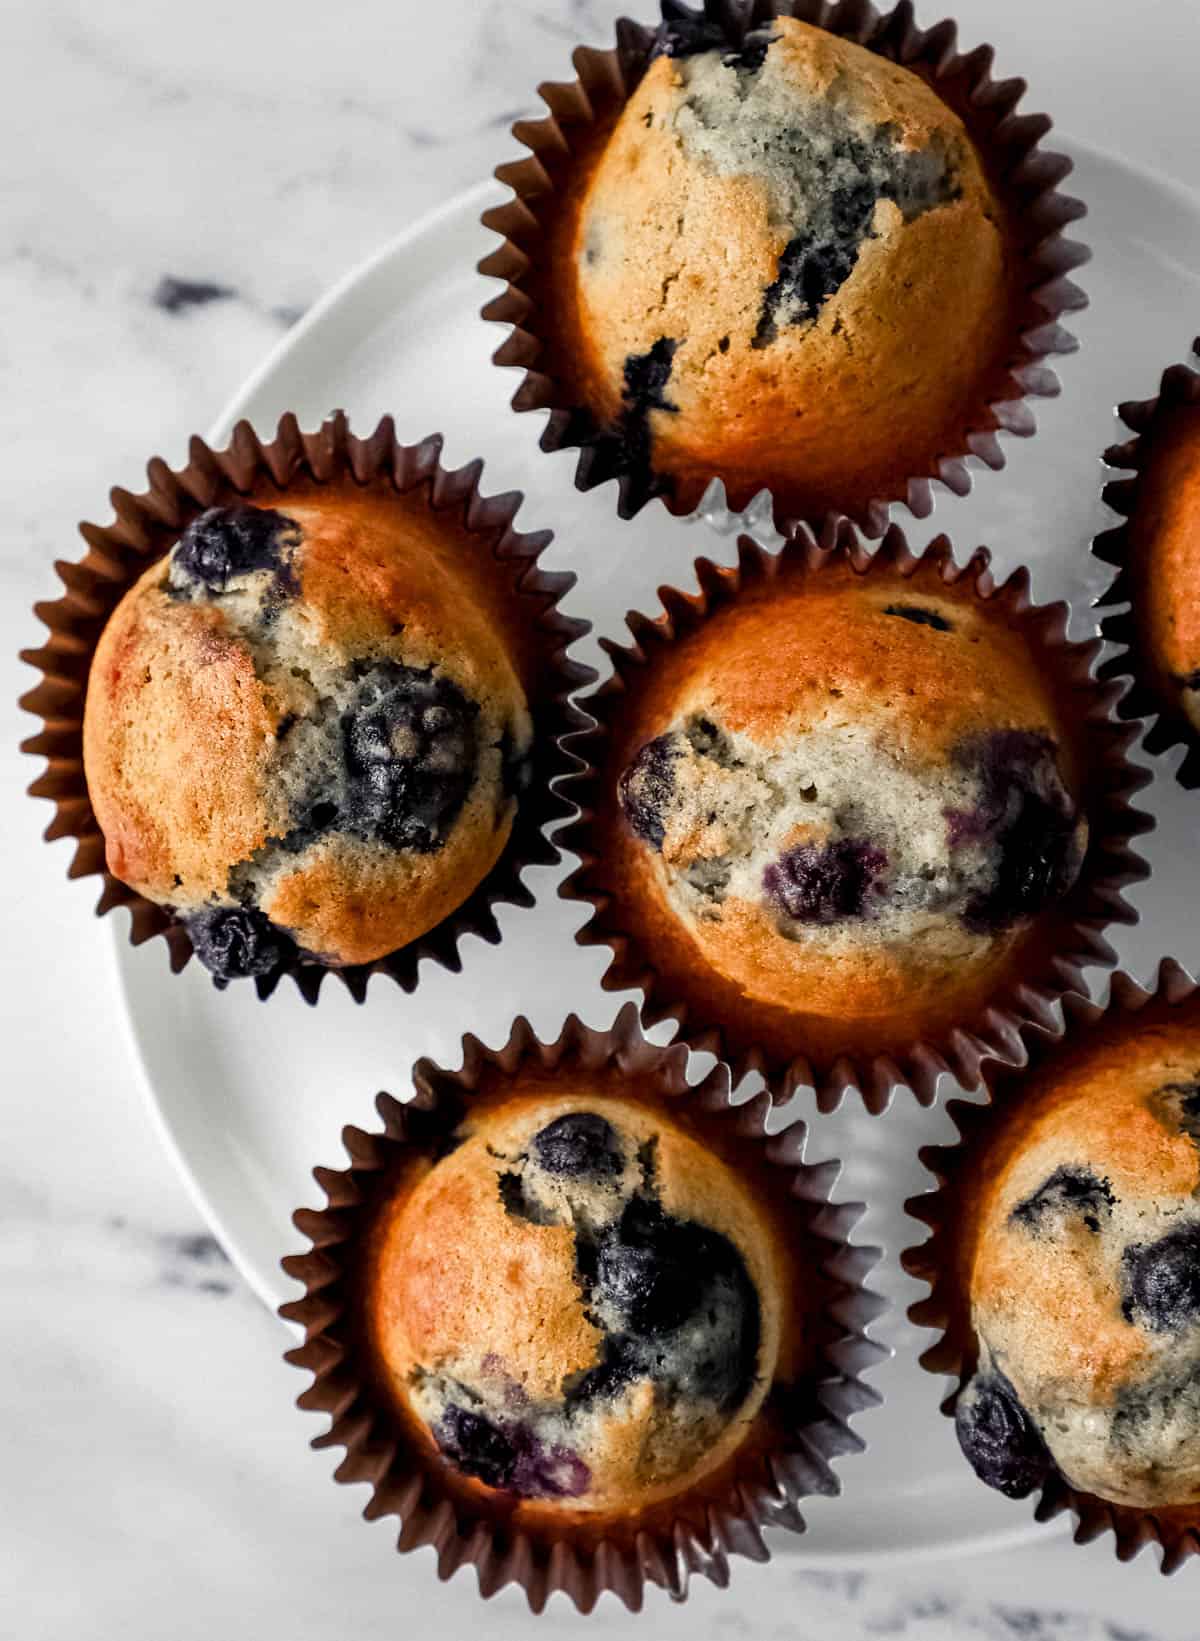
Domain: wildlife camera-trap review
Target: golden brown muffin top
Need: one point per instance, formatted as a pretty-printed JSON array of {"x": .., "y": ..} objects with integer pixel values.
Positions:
[
  {"x": 845, "y": 797},
  {"x": 314, "y": 732},
  {"x": 580, "y": 1304},
  {"x": 791, "y": 269},
  {"x": 1165, "y": 535},
  {"x": 1084, "y": 1269}
]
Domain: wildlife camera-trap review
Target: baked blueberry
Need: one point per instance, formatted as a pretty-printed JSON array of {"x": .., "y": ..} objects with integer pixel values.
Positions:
[
  {"x": 1068, "y": 1190},
  {"x": 651, "y": 1269},
  {"x": 410, "y": 749},
  {"x": 1027, "y": 820},
  {"x": 622, "y": 1360},
  {"x": 227, "y": 542},
  {"x": 686, "y": 34},
  {"x": 477, "y": 1446},
  {"x": 237, "y": 941},
  {"x": 824, "y": 883},
  {"x": 547, "y": 1472},
  {"x": 645, "y": 379},
  {"x": 689, "y": 1313},
  {"x": 520, "y": 1204},
  {"x": 1162, "y": 1281},
  {"x": 510, "y": 1458},
  {"x": 1001, "y": 1443},
  {"x": 817, "y": 263},
  {"x": 646, "y": 787},
  {"x": 1184, "y": 1100},
  {"x": 580, "y": 1144}
]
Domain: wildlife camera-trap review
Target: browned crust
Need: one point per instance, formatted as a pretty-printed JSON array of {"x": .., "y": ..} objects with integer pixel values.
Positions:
[
  {"x": 789, "y": 1453},
  {"x": 1161, "y": 452},
  {"x": 156, "y": 664},
  {"x": 538, "y": 226},
  {"x": 978, "y": 1020},
  {"x": 950, "y": 1212},
  {"x": 293, "y": 464}
]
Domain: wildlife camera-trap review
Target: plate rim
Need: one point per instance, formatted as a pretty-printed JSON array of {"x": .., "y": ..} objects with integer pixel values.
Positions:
[{"x": 338, "y": 297}]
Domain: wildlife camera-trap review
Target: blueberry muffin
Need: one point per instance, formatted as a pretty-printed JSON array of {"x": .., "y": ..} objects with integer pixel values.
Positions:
[
  {"x": 787, "y": 267},
  {"x": 842, "y": 805},
  {"x": 1164, "y": 557},
  {"x": 579, "y": 1305},
  {"x": 305, "y": 729},
  {"x": 1084, "y": 1275}
]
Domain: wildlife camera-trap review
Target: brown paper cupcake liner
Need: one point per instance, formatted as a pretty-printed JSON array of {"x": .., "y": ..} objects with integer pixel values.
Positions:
[
  {"x": 146, "y": 526},
  {"x": 936, "y": 1262},
  {"x": 1070, "y": 938},
  {"x": 694, "y": 1534},
  {"x": 1027, "y": 178},
  {"x": 1168, "y": 725}
]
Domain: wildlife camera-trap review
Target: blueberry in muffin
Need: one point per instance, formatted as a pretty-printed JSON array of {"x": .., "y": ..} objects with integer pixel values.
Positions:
[
  {"x": 847, "y": 799},
  {"x": 305, "y": 729},
  {"x": 577, "y": 1304},
  {"x": 787, "y": 267},
  {"x": 1084, "y": 1274}
]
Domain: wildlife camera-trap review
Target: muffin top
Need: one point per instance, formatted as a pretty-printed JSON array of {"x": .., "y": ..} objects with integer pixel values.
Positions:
[
  {"x": 1084, "y": 1278},
  {"x": 579, "y": 1304},
  {"x": 1166, "y": 545},
  {"x": 305, "y": 729},
  {"x": 788, "y": 264},
  {"x": 848, "y": 795}
]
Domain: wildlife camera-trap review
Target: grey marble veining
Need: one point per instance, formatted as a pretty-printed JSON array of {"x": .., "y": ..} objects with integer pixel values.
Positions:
[{"x": 178, "y": 186}]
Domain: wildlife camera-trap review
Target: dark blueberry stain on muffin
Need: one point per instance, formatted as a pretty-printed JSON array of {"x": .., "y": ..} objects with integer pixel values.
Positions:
[
  {"x": 518, "y": 1204},
  {"x": 579, "y": 1145},
  {"x": 688, "y": 34},
  {"x": 826, "y": 883},
  {"x": 672, "y": 1298},
  {"x": 509, "y": 1456},
  {"x": 411, "y": 752},
  {"x": 224, "y": 543},
  {"x": 1028, "y": 821},
  {"x": 1068, "y": 1190},
  {"x": 621, "y": 1361},
  {"x": 816, "y": 262},
  {"x": 400, "y": 762},
  {"x": 1163, "y": 1399},
  {"x": 688, "y": 1311},
  {"x": 1162, "y": 1281},
  {"x": 646, "y": 787},
  {"x": 646, "y": 376},
  {"x": 238, "y": 942},
  {"x": 920, "y": 617},
  {"x": 1182, "y": 1101},
  {"x": 998, "y": 1438}
]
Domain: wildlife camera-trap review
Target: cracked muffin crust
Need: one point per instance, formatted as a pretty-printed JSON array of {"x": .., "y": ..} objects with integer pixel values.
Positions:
[
  {"x": 842, "y": 811},
  {"x": 1081, "y": 1237},
  {"x": 305, "y": 729},
  {"x": 787, "y": 266},
  {"x": 579, "y": 1304}
]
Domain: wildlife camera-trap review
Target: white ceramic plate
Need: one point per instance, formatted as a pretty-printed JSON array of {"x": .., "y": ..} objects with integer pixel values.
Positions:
[{"x": 250, "y": 1096}]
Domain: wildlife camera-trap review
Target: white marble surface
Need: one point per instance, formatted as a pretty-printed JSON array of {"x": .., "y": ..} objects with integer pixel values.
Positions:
[{"x": 156, "y": 1479}]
